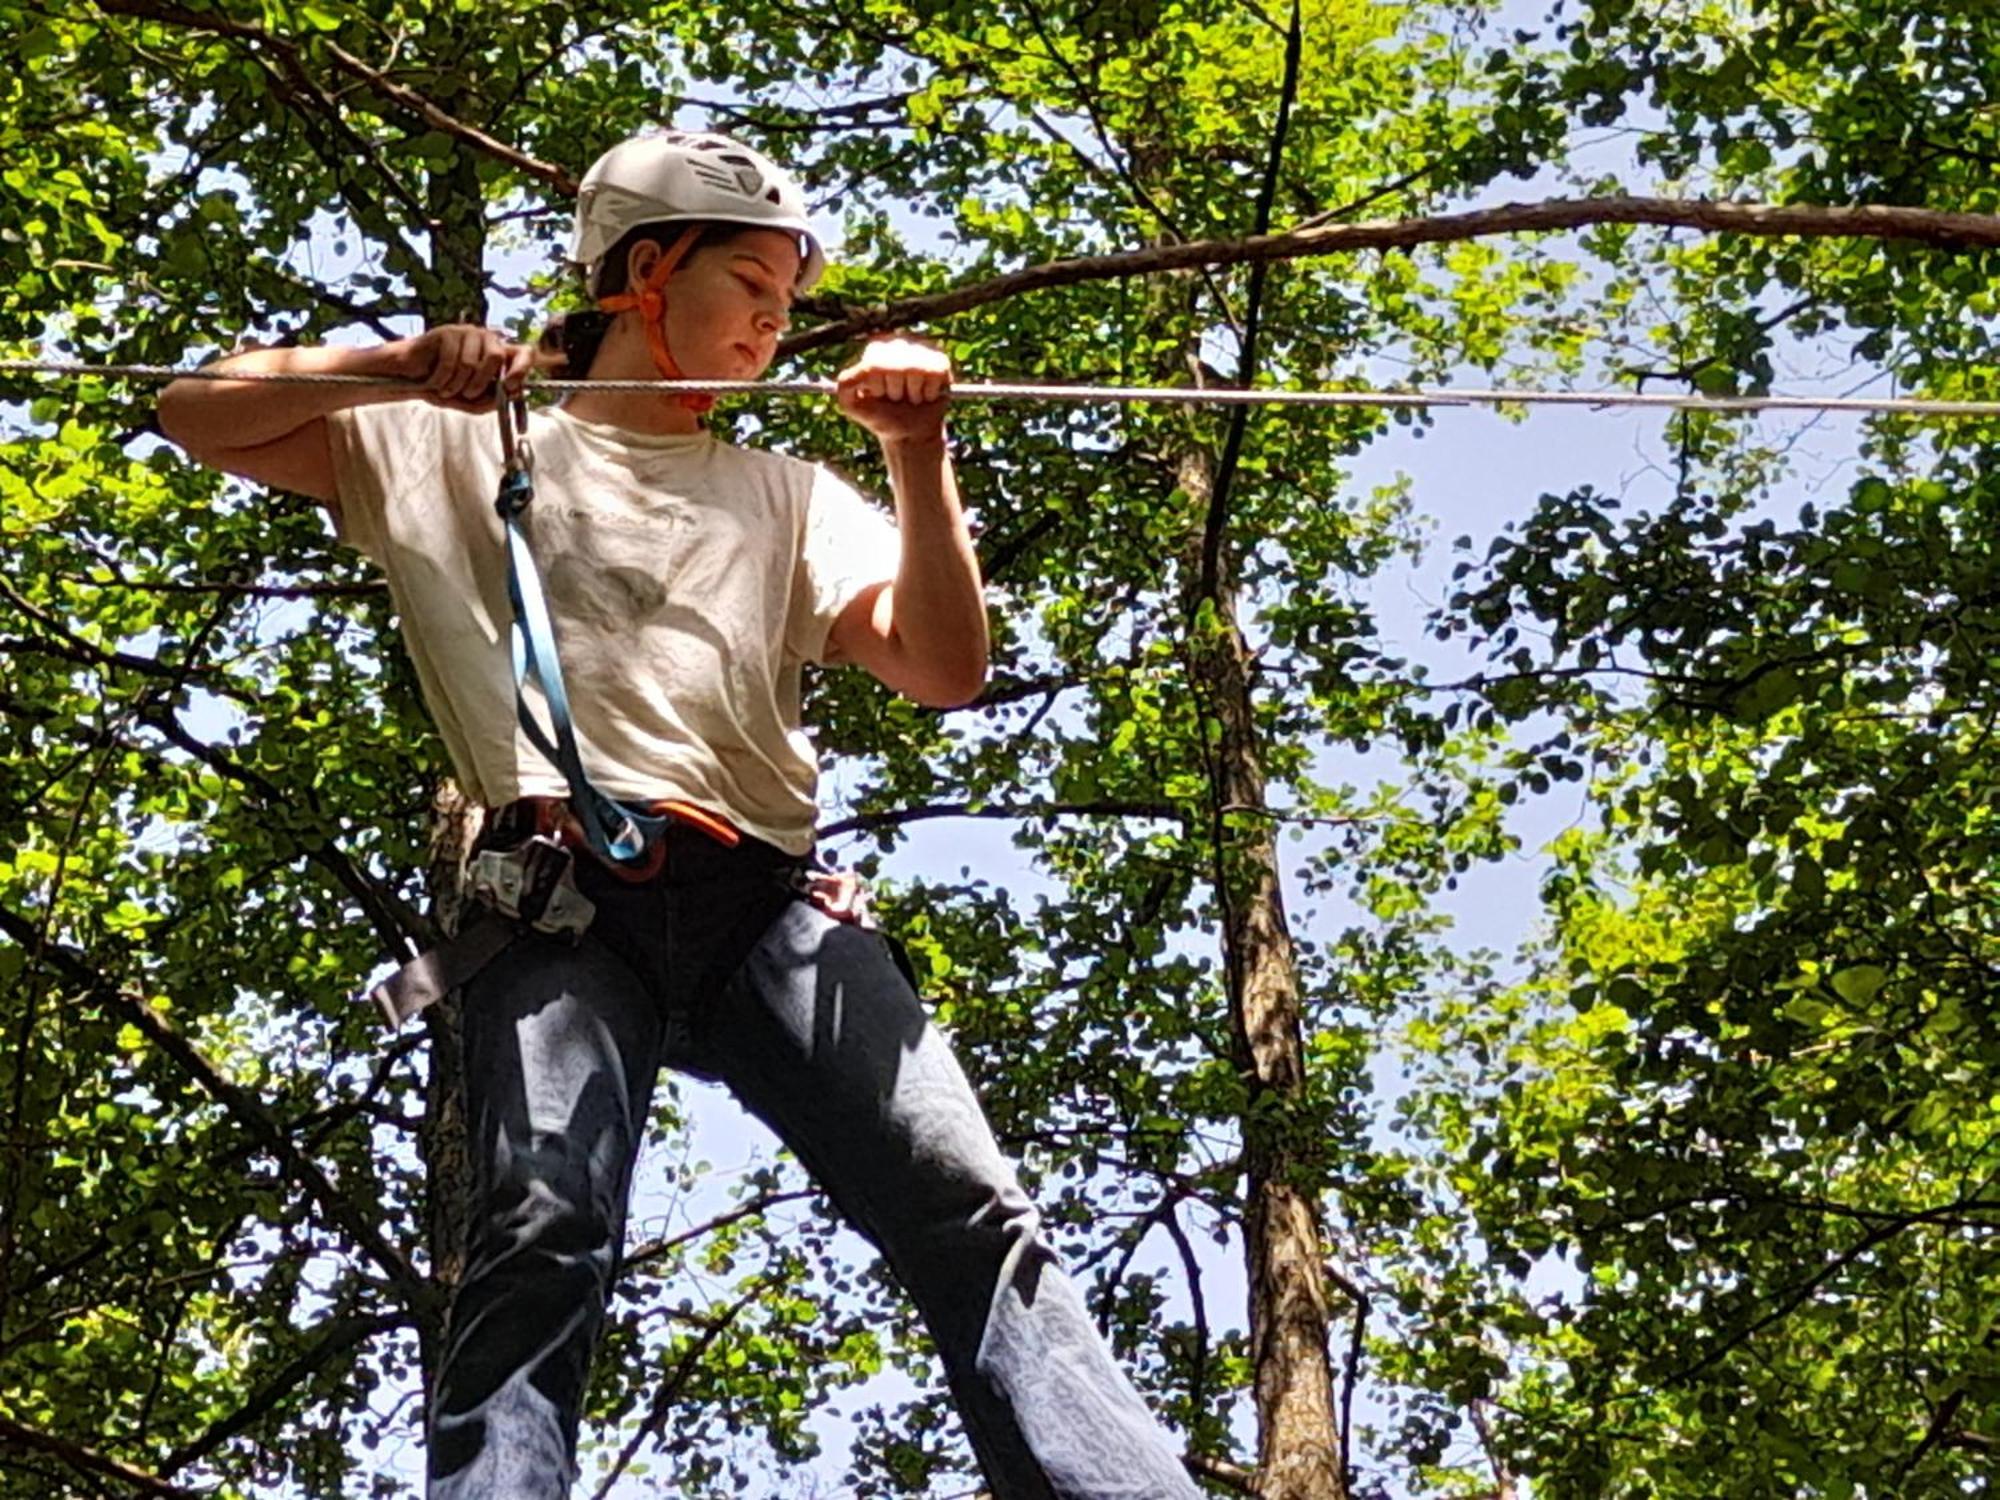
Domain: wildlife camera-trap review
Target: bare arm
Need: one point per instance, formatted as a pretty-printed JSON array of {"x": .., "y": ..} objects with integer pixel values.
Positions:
[
  {"x": 924, "y": 634},
  {"x": 276, "y": 434}
]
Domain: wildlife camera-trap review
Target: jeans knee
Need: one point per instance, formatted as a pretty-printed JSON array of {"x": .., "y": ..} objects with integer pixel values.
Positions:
[{"x": 549, "y": 1208}]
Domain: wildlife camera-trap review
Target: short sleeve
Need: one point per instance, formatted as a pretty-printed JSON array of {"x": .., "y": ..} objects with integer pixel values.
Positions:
[
  {"x": 850, "y": 543},
  {"x": 380, "y": 452}
]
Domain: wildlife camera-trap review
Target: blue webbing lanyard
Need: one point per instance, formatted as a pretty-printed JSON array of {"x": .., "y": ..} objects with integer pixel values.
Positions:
[{"x": 614, "y": 831}]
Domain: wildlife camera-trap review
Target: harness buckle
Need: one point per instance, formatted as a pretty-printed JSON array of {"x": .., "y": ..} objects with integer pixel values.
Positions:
[{"x": 533, "y": 882}]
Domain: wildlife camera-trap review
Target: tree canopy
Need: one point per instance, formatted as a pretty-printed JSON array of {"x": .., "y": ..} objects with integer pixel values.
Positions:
[{"x": 1735, "y": 1099}]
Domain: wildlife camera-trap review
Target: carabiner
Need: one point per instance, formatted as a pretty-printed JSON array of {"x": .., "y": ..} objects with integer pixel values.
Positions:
[{"x": 512, "y": 408}]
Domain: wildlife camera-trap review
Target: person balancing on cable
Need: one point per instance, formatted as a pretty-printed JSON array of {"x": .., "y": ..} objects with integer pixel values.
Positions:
[{"x": 645, "y": 865}]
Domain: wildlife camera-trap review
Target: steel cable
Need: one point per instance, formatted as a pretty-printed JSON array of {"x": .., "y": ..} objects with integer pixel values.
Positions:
[{"x": 1418, "y": 397}]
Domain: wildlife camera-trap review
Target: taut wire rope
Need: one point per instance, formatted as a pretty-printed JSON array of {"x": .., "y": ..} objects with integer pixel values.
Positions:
[{"x": 1418, "y": 397}]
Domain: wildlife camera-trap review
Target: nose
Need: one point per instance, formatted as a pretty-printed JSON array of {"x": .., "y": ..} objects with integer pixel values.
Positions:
[{"x": 773, "y": 320}]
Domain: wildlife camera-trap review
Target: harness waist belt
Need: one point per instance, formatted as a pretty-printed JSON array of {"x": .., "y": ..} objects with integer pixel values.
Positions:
[{"x": 523, "y": 869}]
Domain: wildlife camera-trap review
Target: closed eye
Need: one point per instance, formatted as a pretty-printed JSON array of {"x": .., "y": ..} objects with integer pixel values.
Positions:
[{"x": 759, "y": 289}]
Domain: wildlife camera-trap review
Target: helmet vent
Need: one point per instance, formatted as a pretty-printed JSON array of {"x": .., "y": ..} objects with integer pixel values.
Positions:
[{"x": 744, "y": 181}]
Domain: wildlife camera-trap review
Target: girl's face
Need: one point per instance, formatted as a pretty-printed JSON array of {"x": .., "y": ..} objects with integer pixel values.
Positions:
[{"x": 728, "y": 303}]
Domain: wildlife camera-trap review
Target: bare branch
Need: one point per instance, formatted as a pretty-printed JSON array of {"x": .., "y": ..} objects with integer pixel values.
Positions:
[
  {"x": 897, "y": 816},
  {"x": 654, "y": 1249},
  {"x": 1805, "y": 220}
]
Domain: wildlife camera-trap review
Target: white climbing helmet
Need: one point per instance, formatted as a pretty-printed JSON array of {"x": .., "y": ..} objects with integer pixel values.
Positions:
[{"x": 680, "y": 177}]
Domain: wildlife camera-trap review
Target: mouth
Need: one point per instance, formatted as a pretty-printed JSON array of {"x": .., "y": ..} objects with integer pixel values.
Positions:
[{"x": 749, "y": 353}]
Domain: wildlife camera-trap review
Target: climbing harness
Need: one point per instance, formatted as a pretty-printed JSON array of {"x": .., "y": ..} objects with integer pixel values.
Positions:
[
  {"x": 529, "y": 886},
  {"x": 529, "y": 878},
  {"x": 531, "y": 881}
]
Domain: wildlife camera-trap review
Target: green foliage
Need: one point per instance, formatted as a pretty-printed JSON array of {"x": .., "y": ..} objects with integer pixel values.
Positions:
[{"x": 1736, "y": 1106}]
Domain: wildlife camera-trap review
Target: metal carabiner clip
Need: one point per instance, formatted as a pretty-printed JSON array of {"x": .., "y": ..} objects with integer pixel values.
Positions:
[{"x": 512, "y": 407}]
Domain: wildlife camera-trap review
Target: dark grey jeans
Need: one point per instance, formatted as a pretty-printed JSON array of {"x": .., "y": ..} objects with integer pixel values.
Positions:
[{"x": 715, "y": 967}]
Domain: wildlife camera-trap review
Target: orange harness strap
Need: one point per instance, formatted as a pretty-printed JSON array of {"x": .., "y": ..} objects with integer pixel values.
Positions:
[
  {"x": 651, "y": 303},
  {"x": 553, "y": 819}
]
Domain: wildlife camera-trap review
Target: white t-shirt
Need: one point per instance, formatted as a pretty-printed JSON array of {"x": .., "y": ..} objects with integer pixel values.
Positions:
[{"x": 688, "y": 581}]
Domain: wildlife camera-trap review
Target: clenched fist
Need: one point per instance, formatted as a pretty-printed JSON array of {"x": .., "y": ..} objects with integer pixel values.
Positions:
[{"x": 897, "y": 389}]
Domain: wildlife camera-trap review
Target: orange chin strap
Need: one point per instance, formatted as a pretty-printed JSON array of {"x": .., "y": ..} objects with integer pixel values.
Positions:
[{"x": 651, "y": 303}]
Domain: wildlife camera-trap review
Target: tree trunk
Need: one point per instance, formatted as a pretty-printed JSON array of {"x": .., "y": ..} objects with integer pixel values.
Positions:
[
  {"x": 1292, "y": 1374},
  {"x": 454, "y": 292},
  {"x": 455, "y": 821}
]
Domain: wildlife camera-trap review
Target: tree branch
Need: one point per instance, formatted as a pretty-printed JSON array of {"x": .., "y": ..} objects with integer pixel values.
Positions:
[
  {"x": 670, "y": 1389},
  {"x": 88, "y": 1460},
  {"x": 345, "y": 1334},
  {"x": 654, "y": 1249},
  {"x": 857, "y": 114},
  {"x": 1217, "y": 519},
  {"x": 402, "y": 96},
  {"x": 1352, "y": 1372},
  {"x": 1127, "y": 1243},
  {"x": 74, "y": 648},
  {"x": 1229, "y": 1475},
  {"x": 401, "y": 930},
  {"x": 1805, "y": 220},
  {"x": 242, "y": 1106},
  {"x": 1002, "y": 690},
  {"x": 897, "y": 816},
  {"x": 1198, "y": 1375},
  {"x": 120, "y": 580},
  {"x": 1786, "y": 1305},
  {"x": 375, "y": 315}
]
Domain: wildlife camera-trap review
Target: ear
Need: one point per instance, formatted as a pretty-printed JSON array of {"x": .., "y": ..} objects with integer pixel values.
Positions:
[{"x": 639, "y": 263}]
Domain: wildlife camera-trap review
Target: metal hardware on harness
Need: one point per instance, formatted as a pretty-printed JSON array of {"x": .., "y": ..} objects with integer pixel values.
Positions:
[
  {"x": 534, "y": 882},
  {"x": 514, "y": 447},
  {"x": 532, "y": 885}
]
